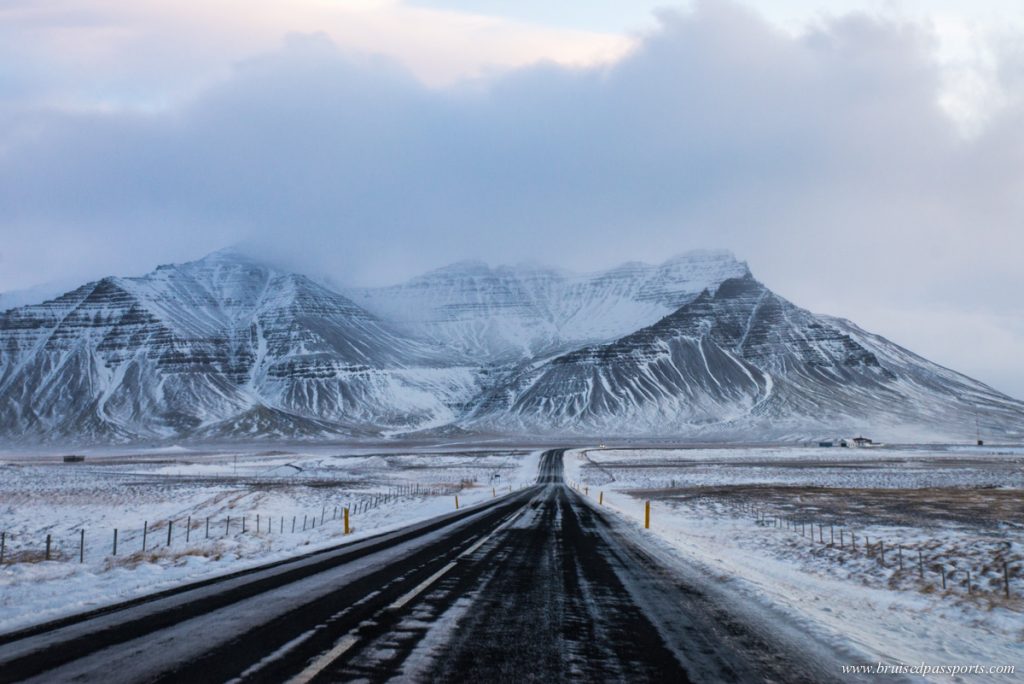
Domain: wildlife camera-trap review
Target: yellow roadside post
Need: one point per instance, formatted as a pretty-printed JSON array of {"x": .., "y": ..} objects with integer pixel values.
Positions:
[
  {"x": 347, "y": 530},
  {"x": 600, "y": 498},
  {"x": 456, "y": 502},
  {"x": 647, "y": 515}
]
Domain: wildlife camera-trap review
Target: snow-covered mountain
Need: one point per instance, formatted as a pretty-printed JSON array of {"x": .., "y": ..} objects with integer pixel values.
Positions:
[
  {"x": 741, "y": 360},
  {"x": 508, "y": 314},
  {"x": 227, "y": 346},
  {"x": 218, "y": 347}
]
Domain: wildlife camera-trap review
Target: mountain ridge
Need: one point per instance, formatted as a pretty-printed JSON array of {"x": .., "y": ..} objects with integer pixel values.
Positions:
[{"x": 227, "y": 347}]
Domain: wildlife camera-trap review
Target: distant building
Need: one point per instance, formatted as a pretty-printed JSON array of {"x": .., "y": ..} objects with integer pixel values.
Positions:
[{"x": 843, "y": 442}]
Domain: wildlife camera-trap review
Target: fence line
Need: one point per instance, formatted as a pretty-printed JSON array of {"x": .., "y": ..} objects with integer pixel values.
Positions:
[
  {"x": 936, "y": 568},
  {"x": 13, "y": 552}
]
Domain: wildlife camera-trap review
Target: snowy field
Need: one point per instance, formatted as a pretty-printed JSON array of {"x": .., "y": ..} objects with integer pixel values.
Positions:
[
  {"x": 273, "y": 492},
  {"x": 914, "y": 515}
]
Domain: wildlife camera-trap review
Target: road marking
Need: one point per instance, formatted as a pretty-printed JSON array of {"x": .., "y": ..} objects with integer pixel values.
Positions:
[
  {"x": 422, "y": 586},
  {"x": 419, "y": 588},
  {"x": 350, "y": 639},
  {"x": 325, "y": 659}
]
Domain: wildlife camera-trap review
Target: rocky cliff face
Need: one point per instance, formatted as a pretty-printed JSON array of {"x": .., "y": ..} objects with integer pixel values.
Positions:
[{"x": 227, "y": 347}]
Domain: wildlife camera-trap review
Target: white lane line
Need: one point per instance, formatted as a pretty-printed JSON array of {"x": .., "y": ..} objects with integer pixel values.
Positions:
[
  {"x": 252, "y": 669},
  {"x": 325, "y": 659},
  {"x": 422, "y": 586},
  {"x": 350, "y": 640},
  {"x": 419, "y": 588}
]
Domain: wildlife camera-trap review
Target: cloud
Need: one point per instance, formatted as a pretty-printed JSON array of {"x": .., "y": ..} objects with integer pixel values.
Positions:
[
  {"x": 152, "y": 53},
  {"x": 825, "y": 159}
]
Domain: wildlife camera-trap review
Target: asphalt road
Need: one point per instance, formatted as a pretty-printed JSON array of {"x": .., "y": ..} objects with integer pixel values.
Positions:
[{"x": 537, "y": 586}]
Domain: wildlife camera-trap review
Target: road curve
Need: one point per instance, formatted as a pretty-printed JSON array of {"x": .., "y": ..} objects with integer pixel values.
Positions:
[{"x": 540, "y": 585}]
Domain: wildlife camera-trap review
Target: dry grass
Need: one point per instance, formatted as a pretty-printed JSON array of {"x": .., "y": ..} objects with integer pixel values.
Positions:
[
  {"x": 926, "y": 507},
  {"x": 163, "y": 556},
  {"x": 956, "y": 530},
  {"x": 12, "y": 556}
]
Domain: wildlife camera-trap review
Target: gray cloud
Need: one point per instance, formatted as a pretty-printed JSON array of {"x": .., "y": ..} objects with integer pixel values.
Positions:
[{"x": 824, "y": 160}]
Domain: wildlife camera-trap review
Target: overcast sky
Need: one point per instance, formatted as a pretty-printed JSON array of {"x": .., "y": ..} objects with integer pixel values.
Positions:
[{"x": 865, "y": 157}]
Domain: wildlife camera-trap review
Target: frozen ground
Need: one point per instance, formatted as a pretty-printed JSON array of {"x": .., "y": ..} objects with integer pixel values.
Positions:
[
  {"x": 383, "y": 490},
  {"x": 749, "y": 514}
]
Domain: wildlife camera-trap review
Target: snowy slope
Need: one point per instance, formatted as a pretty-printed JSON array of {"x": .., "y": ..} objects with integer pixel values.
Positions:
[
  {"x": 507, "y": 314},
  {"x": 218, "y": 347},
  {"x": 227, "y": 347},
  {"x": 745, "y": 362}
]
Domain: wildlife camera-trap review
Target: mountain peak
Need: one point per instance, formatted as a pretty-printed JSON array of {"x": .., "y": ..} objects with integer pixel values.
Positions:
[
  {"x": 722, "y": 260},
  {"x": 232, "y": 254}
]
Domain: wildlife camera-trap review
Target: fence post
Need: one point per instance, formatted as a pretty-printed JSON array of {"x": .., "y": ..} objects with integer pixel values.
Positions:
[
  {"x": 346, "y": 520},
  {"x": 600, "y": 499},
  {"x": 881, "y": 549},
  {"x": 1006, "y": 577},
  {"x": 943, "y": 569},
  {"x": 456, "y": 502},
  {"x": 968, "y": 581},
  {"x": 831, "y": 535},
  {"x": 47, "y": 547},
  {"x": 293, "y": 524},
  {"x": 227, "y": 527},
  {"x": 920, "y": 564},
  {"x": 243, "y": 524},
  {"x": 81, "y": 545},
  {"x": 304, "y": 522},
  {"x": 842, "y": 544},
  {"x": 115, "y": 542},
  {"x": 899, "y": 553},
  {"x": 170, "y": 526},
  {"x": 188, "y": 529},
  {"x": 323, "y": 514},
  {"x": 207, "y": 527},
  {"x": 647, "y": 515},
  {"x": 145, "y": 532},
  {"x": 257, "y": 523},
  {"x": 282, "y": 524},
  {"x": 3, "y": 545}
]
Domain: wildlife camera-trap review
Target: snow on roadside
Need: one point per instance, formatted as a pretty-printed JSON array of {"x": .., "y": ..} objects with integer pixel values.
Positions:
[
  {"x": 60, "y": 500},
  {"x": 847, "y": 598}
]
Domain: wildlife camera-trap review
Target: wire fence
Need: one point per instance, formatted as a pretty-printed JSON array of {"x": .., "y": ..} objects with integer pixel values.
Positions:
[
  {"x": 1000, "y": 572},
  {"x": 79, "y": 544},
  {"x": 920, "y": 560}
]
